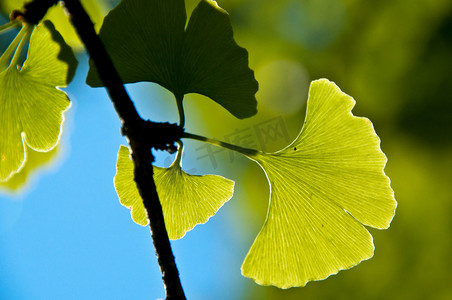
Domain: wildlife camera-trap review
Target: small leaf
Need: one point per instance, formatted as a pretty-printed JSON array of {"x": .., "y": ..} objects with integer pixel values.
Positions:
[
  {"x": 187, "y": 200},
  {"x": 31, "y": 105},
  {"x": 153, "y": 46},
  {"x": 324, "y": 187}
]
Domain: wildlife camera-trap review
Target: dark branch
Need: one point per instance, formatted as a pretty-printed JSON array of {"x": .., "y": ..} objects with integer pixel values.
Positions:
[
  {"x": 142, "y": 135},
  {"x": 34, "y": 11},
  {"x": 159, "y": 136}
]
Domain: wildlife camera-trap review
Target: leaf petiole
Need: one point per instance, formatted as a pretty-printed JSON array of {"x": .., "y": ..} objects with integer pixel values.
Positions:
[
  {"x": 180, "y": 109},
  {"x": 5, "y": 27},
  {"x": 18, "y": 40},
  {"x": 244, "y": 151},
  {"x": 179, "y": 153},
  {"x": 28, "y": 30},
  {"x": 9, "y": 51}
]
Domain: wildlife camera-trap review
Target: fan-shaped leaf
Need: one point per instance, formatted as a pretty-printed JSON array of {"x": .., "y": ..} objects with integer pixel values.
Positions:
[
  {"x": 187, "y": 200},
  {"x": 31, "y": 106},
  {"x": 153, "y": 46},
  {"x": 324, "y": 187}
]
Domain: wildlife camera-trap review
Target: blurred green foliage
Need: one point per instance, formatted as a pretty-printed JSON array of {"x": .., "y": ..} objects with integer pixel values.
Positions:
[{"x": 395, "y": 59}]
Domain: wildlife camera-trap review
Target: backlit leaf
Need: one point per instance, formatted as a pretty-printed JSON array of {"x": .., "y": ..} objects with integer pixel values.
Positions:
[
  {"x": 204, "y": 58},
  {"x": 324, "y": 187},
  {"x": 31, "y": 105},
  {"x": 187, "y": 200}
]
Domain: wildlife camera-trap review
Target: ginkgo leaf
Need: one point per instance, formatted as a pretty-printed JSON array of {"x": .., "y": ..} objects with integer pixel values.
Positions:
[
  {"x": 324, "y": 187},
  {"x": 204, "y": 58},
  {"x": 31, "y": 105},
  {"x": 187, "y": 200}
]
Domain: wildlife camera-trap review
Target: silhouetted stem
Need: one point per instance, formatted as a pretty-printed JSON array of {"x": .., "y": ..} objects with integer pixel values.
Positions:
[
  {"x": 178, "y": 159},
  {"x": 244, "y": 151},
  {"x": 142, "y": 135},
  {"x": 180, "y": 110}
]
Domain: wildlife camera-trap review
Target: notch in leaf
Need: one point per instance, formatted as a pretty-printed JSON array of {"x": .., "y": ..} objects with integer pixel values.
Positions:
[
  {"x": 187, "y": 200},
  {"x": 31, "y": 105},
  {"x": 324, "y": 187},
  {"x": 147, "y": 41}
]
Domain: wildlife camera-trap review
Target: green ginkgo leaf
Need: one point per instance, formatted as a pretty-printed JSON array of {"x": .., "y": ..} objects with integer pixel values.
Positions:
[
  {"x": 31, "y": 105},
  {"x": 324, "y": 187},
  {"x": 152, "y": 45},
  {"x": 187, "y": 200}
]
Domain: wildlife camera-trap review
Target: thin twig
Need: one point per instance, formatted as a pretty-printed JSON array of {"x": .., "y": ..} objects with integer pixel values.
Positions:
[
  {"x": 142, "y": 135},
  {"x": 242, "y": 150}
]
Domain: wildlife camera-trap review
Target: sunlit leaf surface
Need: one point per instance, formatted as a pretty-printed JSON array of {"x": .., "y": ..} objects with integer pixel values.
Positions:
[
  {"x": 202, "y": 58},
  {"x": 31, "y": 106},
  {"x": 324, "y": 187},
  {"x": 187, "y": 200}
]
